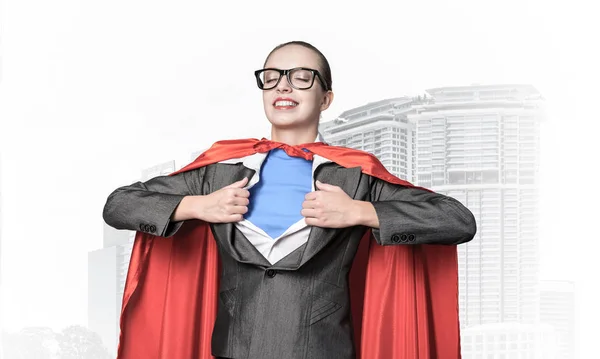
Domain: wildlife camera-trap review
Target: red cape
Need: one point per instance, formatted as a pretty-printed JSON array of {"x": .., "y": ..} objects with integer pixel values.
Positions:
[{"x": 404, "y": 297}]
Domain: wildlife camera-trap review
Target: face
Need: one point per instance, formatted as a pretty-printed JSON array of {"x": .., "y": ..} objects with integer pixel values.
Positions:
[{"x": 287, "y": 107}]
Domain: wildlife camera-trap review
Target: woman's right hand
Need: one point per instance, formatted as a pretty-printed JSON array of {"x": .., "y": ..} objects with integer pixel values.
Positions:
[{"x": 228, "y": 204}]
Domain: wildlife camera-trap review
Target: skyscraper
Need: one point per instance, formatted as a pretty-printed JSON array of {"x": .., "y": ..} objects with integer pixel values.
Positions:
[
  {"x": 509, "y": 341},
  {"x": 381, "y": 128},
  {"x": 557, "y": 309},
  {"x": 480, "y": 145},
  {"x": 104, "y": 303}
]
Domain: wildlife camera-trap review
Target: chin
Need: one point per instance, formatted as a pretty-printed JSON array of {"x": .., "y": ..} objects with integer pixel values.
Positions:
[{"x": 285, "y": 121}]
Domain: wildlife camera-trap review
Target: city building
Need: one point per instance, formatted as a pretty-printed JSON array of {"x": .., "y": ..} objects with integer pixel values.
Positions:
[
  {"x": 557, "y": 309},
  {"x": 481, "y": 145},
  {"x": 381, "y": 128},
  {"x": 104, "y": 303},
  {"x": 508, "y": 341}
]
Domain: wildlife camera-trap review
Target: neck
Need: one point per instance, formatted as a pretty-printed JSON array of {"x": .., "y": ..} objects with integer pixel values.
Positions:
[{"x": 293, "y": 137}]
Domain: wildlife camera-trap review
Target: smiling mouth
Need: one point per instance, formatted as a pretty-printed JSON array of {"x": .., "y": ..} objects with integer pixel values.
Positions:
[{"x": 285, "y": 104}]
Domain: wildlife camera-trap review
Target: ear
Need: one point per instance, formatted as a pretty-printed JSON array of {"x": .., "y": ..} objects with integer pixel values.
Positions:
[{"x": 327, "y": 100}]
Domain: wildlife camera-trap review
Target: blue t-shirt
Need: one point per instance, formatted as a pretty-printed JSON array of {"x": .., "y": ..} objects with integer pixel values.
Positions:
[{"x": 276, "y": 200}]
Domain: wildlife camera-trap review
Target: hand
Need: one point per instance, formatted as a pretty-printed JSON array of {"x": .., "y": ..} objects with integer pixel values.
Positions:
[
  {"x": 229, "y": 204},
  {"x": 329, "y": 207}
]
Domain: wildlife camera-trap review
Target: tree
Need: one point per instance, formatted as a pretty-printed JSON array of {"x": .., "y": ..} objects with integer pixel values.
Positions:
[{"x": 78, "y": 342}]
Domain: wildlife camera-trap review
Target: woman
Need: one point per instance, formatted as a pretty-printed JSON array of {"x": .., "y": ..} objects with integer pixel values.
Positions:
[{"x": 287, "y": 217}]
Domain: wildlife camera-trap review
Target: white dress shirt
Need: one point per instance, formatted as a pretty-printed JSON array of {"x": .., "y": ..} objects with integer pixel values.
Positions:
[{"x": 274, "y": 249}]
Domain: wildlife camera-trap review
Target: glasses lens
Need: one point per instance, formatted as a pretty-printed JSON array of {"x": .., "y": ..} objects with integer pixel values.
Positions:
[
  {"x": 269, "y": 78},
  {"x": 301, "y": 79}
]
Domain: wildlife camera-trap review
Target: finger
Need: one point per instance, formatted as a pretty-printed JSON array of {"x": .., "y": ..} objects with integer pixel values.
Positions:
[
  {"x": 326, "y": 186},
  {"x": 321, "y": 185},
  {"x": 239, "y": 184},
  {"x": 309, "y": 212},
  {"x": 240, "y": 201},
  {"x": 311, "y": 196},
  {"x": 310, "y": 204},
  {"x": 311, "y": 221},
  {"x": 240, "y": 192},
  {"x": 237, "y": 192},
  {"x": 237, "y": 209},
  {"x": 235, "y": 218}
]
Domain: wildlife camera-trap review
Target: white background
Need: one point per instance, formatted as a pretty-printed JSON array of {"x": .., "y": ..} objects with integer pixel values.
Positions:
[{"x": 93, "y": 92}]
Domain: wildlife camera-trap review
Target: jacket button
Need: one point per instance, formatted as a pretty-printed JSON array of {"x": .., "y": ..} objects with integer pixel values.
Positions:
[
  {"x": 152, "y": 228},
  {"x": 146, "y": 228},
  {"x": 271, "y": 273},
  {"x": 395, "y": 238},
  {"x": 411, "y": 237},
  {"x": 403, "y": 237},
  {"x": 141, "y": 226}
]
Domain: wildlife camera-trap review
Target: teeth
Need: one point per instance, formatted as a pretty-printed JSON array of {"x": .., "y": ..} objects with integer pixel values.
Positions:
[{"x": 285, "y": 103}]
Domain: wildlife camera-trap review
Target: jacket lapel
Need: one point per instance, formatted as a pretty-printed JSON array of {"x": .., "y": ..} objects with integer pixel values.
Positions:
[
  {"x": 239, "y": 247},
  {"x": 230, "y": 239},
  {"x": 347, "y": 179}
]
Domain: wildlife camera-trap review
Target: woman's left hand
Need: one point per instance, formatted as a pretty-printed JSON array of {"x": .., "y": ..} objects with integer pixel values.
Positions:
[{"x": 330, "y": 207}]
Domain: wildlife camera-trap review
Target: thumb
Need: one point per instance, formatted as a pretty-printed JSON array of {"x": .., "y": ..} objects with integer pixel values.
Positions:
[
  {"x": 324, "y": 186},
  {"x": 239, "y": 184}
]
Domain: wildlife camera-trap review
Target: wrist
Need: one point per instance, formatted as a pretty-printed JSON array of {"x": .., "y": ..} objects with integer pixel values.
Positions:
[
  {"x": 188, "y": 208},
  {"x": 197, "y": 205},
  {"x": 365, "y": 214}
]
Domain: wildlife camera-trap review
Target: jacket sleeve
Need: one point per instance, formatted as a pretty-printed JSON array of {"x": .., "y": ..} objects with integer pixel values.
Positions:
[
  {"x": 148, "y": 206},
  {"x": 409, "y": 215}
]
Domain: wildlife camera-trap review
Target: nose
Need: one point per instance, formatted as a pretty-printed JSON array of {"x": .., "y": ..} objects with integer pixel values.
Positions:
[{"x": 283, "y": 85}]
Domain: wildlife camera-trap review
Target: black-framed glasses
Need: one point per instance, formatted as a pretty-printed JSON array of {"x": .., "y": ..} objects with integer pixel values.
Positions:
[{"x": 300, "y": 78}]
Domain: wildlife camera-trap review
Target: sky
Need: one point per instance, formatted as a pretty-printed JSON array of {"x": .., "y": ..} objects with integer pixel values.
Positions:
[{"x": 91, "y": 93}]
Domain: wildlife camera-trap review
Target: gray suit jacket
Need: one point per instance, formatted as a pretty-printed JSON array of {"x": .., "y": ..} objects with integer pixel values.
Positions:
[{"x": 298, "y": 307}]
